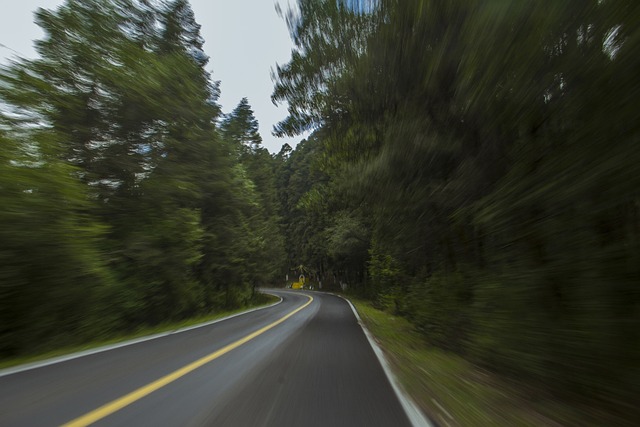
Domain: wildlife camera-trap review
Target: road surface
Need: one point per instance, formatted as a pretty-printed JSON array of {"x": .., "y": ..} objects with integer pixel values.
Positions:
[{"x": 302, "y": 362}]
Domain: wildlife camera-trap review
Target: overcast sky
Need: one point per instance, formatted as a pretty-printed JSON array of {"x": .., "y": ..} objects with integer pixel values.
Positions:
[{"x": 244, "y": 39}]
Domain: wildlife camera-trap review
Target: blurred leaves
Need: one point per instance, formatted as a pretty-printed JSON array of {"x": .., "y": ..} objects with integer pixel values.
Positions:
[
  {"x": 123, "y": 204},
  {"x": 491, "y": 151}
]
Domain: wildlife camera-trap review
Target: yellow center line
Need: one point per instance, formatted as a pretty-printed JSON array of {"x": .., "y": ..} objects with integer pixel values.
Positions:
[{"x": 116, "y": 405}]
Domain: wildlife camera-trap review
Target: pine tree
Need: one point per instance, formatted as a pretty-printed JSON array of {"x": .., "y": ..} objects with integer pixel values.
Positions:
[
  {"x": 181, "y": 31},
  {"x": 240, "y": 128}
]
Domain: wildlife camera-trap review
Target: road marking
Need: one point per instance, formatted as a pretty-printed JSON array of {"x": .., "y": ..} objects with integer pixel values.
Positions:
[
  {"x": 415, "y": 415},
  {"x": 96, "y": 350},
  {"x": 143, "y": 391}
]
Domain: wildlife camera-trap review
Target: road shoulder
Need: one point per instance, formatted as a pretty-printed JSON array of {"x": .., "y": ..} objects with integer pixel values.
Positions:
[
  {"x": 94, "y": 348},
  {"x": 415, "y": 415}
]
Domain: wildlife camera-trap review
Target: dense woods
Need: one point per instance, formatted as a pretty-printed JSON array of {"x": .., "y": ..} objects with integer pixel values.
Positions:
[
  {"x": 474, "y": 167},
  {"x": 127, "y": 198}
]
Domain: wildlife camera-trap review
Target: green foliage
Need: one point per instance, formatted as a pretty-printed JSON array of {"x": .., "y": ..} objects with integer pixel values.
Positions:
[
  {"x": 385, "y": 277},
  {"x": 347, "y": 237},
  {"x": 257, "y": 177},
  {"x": 240, "y": 128},
  {"x": 122, "y": 203},
  {"x": 439, "y": 308},
  {"x": 50, "y": 269},
  {"x": 491, "y": 148}
]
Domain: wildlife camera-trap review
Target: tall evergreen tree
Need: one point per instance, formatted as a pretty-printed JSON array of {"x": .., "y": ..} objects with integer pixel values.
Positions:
[
  {"x": 181, "y": 31},
  {"x": 240, "y": 130},
  {"x": 118, "y": 115},
  {"x": 240, "y": 127}
]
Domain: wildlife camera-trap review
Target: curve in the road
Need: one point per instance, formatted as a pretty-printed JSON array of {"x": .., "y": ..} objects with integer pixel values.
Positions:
[
  {"x": 295, "y": 363},
  {"x": 138, "y": 394}
]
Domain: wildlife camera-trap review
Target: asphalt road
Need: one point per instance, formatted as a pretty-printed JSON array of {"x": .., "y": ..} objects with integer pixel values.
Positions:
[{"x": 312, "y": 368}]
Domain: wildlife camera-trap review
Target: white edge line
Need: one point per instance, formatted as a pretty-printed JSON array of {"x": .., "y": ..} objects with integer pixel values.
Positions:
[
  {"x": 415, "y": 415},
  {"x": 77, "y": 355}
]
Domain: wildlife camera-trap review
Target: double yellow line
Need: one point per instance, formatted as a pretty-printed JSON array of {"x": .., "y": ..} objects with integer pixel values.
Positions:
[{"x": 143, "y": 391}]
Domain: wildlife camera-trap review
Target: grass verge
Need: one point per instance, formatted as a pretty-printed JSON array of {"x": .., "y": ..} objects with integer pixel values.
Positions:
[
  {"x": 264, "y": 300},
  {"x": 454, "y": 392}
]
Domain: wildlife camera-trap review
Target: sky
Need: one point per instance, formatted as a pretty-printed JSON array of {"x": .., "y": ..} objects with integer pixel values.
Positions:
[{"x": 244, "y": 39}]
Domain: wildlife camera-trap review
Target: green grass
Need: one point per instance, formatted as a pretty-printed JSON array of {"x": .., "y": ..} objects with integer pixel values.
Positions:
[
  {"x": 454, "y": 392},
  {"x": 264, "y": 300}
]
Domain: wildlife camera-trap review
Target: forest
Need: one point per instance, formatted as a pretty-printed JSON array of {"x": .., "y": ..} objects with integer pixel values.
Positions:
[
  {"x": 471, "y": 166},
  {"x": 128, "y": 198}
]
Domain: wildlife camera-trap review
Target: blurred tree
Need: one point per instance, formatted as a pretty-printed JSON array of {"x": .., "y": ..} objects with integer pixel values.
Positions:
[
  {"x": 240, "y": 128},
  {"x": 53, "y": 275},
  {"x": 182, "y": 32},
  {"x": 494, "y": 146},
  {"x": 128, "y": 177}
]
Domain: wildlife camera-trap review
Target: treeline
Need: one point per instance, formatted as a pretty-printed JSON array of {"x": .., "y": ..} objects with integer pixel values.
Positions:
[
  {"x": 126, "y": 197},
  {"x": 474, "y": 167}
]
